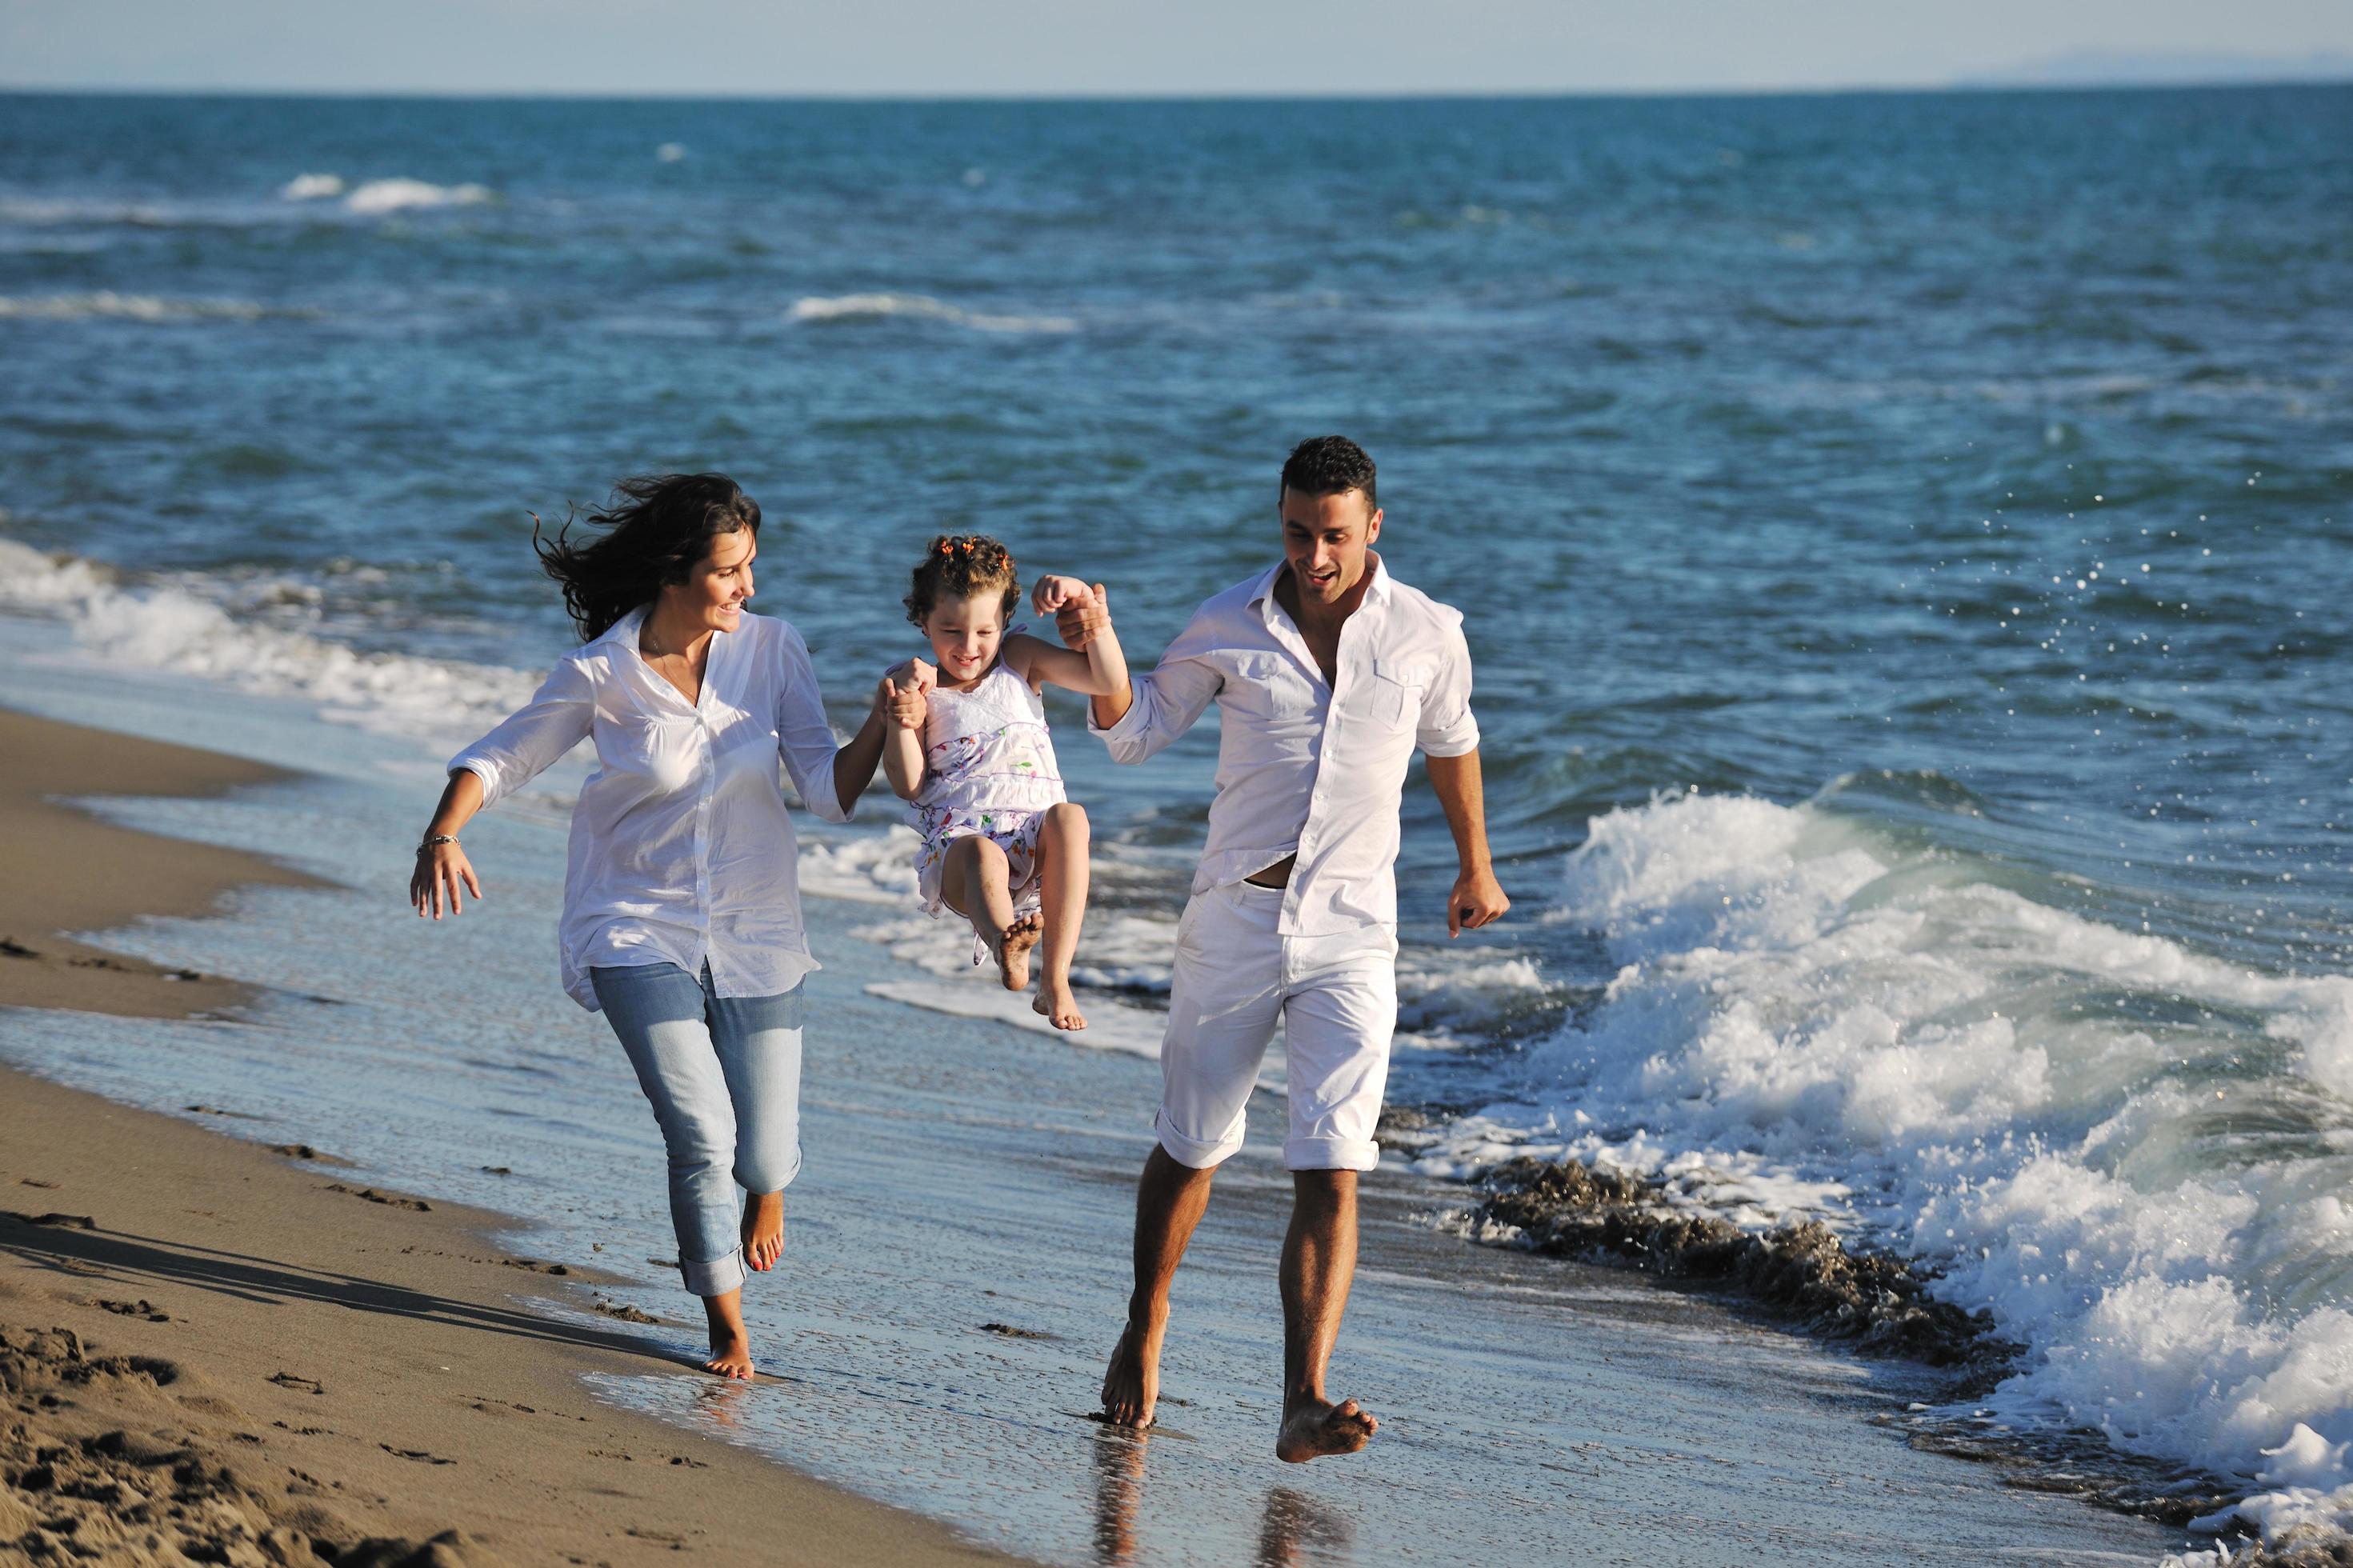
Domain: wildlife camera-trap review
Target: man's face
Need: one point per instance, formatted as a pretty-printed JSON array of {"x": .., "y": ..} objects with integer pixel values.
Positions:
[{"x": 1328, "y": 540}]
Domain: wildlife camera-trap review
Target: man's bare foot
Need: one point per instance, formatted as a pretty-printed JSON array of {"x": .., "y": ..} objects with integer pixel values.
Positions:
[
  {"x": 763, "y": 1231},
  {"x": 1131, "y": 1385},
  {"x": 731, "y": 1354},
  {"x": 1314, "y": 1428},
  {"x": 1056, "y": 1005},
  {"x": 1012, "y": 949}
]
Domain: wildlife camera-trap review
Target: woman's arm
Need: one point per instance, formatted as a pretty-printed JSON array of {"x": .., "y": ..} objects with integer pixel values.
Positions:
[
  {"x": 441, "y": 868},
  {"x": 523, "y": 745}
]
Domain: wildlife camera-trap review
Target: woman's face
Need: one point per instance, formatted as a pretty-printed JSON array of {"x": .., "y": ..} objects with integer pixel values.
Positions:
[{"x": 712, "y": 597}]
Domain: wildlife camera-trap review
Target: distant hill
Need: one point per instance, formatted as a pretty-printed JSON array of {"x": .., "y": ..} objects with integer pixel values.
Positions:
[{"x": 2092, "y": 67}]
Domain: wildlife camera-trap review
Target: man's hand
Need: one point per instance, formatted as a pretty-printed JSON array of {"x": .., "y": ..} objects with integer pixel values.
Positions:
[
  {"x": 903, "y": 695},
  {"x": 1477, "y": 900},
  {"x": 1079, "y": 611}
]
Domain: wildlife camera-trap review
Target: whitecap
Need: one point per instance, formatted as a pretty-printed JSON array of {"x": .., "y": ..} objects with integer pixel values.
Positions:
[
  {"x": 920, "y": 306},
  {"x": 397, "y": 195},
  {"x": 1809, "y": 1019},
  {"x": 106, "y": 304},
  {"x": 439, "y": 702},
  {"x": 312, "y": 187}
]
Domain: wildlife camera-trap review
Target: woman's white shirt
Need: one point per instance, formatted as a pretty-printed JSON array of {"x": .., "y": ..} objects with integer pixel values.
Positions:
[{"x": 683, "y": 849}]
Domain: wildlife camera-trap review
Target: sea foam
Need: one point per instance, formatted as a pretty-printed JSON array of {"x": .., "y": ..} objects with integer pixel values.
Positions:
[
  {"x": 2131, "y": 1154},
  {"x": 920, "y": 306},
  {"x": 441, "y": 703}
]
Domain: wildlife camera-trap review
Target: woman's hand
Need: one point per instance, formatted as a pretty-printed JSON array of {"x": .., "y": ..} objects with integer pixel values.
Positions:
[
  {"x": 903, "y": 696},
  {"x": 441, "y": 869}
]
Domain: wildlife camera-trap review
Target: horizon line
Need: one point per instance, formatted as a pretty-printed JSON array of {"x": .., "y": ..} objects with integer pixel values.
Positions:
[{"x": 1963, "y": 86}]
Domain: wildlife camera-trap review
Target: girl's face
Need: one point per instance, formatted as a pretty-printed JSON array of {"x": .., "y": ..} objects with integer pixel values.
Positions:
[
  {"x": 965, "y": 633},
  {"x": 712, "y": 597}
]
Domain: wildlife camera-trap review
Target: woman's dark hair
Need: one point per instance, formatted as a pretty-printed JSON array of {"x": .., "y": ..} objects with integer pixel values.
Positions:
[
  {"x": 960, "y": 566},
  {"x": 657, "y": 527}
]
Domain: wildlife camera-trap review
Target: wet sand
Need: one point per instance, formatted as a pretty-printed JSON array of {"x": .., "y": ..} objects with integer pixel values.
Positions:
[
  {"x": 956, "y": 1262},
  {"x": 211, "y": 1349}
]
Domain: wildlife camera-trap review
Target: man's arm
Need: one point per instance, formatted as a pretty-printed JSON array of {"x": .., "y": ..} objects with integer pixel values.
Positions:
[{"x": 1477, "y": 899}]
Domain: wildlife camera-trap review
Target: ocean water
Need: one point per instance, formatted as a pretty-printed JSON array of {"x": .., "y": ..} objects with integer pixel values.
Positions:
[{"x": 1901, "y": 539}]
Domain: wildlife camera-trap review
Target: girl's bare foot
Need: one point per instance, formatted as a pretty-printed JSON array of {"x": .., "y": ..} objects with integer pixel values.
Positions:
[
  {"x": 731, "y": 1345},
  {"x": 1056, "y": 1005},
  {"x": 1012, "y": 949},
  {"x": 763, "y": 1231}
]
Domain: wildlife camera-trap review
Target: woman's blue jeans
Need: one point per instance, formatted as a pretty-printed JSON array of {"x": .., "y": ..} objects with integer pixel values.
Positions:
[{"x": 723, "y": 1076}]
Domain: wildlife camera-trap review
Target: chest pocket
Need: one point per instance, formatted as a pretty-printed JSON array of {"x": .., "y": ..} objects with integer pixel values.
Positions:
[
  {"x": 1268, "y": 686},
  {"x": 1390, "y": 697}
]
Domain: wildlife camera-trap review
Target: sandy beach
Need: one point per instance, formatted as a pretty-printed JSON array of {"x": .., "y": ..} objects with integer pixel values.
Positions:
[
  {"x": 216, "y": 1350},
  {"x": 371, "y": 1365}
]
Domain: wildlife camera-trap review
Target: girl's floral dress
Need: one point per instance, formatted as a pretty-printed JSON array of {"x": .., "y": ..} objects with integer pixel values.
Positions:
[{"x": 989, "y": 768}]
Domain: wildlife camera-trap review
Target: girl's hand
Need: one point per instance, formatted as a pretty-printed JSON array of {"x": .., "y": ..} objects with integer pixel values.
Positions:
[
  {"x": 902, "y": 694},
  {"x": 441, "y": 868},
  {"x": 1053, "y": 595},
  {"x": 1083, "y": 616}
]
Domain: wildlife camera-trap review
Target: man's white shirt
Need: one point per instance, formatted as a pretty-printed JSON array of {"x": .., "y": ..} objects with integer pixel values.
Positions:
[{"x": 1304, "y": 767}]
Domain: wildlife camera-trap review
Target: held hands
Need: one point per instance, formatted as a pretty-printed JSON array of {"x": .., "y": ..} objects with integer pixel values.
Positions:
[
  {"x": 903, "y": 696},
  {"x": 440, "y": 869},
  {"x": 1477, "y": 900},
  {"x": 1079, "y": 611}
]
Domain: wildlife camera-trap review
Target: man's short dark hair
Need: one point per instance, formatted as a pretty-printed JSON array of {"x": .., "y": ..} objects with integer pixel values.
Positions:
[{"x": 1329, "y": 466}]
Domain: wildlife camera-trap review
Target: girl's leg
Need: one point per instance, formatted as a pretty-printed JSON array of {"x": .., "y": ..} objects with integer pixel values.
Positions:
[
  {"x": 973, "y": 882},
  {"x": 759, "y": 1043},
  {"x": 1062, "y": 895},
  {"x": 658, "y": 1010}
]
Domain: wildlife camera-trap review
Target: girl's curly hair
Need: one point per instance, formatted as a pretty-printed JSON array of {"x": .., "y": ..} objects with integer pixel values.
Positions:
[{"x": 961, "y": 566}]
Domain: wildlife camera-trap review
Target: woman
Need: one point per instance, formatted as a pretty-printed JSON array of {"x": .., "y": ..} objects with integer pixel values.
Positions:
[{"x": 681, "y": 908}]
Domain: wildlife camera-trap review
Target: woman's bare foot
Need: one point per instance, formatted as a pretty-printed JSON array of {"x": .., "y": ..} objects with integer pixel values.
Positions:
[
  {"x": 763, "y": 1231},
  {"x": 1012, "y": 947},
  {"x": 1131, "y": 1385},
  {"x": 1314, "y": 1428},
  {"x": 1056, "y": 1005},
  {"x": 731, "y": 1345}
]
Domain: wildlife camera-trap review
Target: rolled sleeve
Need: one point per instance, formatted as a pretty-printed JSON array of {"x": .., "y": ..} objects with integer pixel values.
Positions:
[
  {"x": 535, "y": 737},
  {"x": 804, "y": 737},
  {"x": 1166, "y": 702},
  {"x": 1447, "y": 728}
]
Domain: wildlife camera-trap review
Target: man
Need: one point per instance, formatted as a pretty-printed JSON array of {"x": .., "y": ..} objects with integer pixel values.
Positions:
[{"x": 1327, "y": 672}]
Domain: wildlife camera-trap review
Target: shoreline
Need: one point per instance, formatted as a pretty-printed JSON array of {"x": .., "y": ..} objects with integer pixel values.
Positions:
[{"x": 210, "y": 1344}]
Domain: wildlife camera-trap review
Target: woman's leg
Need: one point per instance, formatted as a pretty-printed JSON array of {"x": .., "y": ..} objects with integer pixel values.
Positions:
[
  {"x": 759, "y": 1043},
  {"x": 1062, "y": 897},
  {"x": 659, "y": 1012},
  {"x": 973, "y": 882}
]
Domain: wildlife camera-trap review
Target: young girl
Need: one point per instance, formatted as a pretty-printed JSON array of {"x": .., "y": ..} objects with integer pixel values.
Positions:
[{"x": 1001, "y": 846}]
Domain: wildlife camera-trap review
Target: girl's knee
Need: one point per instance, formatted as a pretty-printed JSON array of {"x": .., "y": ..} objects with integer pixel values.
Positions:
[
  {"x": 695, "y": 1138},
  {"x": 1067, "y": 821}
]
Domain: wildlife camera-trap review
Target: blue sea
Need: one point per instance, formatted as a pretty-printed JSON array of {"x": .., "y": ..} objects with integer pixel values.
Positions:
[{"x": 1902, "y": 541}]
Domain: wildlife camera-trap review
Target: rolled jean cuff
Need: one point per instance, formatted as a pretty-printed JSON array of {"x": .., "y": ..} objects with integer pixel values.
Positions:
[
  {"x": 1193, "y": 1152},
  {"x": 716, "y": 1276},
  {"x": 1330, "y": 1154}
]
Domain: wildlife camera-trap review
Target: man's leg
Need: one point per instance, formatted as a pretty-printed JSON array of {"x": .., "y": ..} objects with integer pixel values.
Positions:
[
  {"x": 1319, "y": 1260},
  {"x": 1339, "y": 1013},
  {"x": 1169, "y": 1202},
  {"x": 1223, "y": 1000}
]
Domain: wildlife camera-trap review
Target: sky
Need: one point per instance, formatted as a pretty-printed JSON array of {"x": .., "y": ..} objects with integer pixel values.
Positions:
[{"x": 1120, "y": 48}]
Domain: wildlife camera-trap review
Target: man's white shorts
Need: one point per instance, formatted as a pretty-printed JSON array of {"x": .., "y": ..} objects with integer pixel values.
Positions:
[{"x": 1237, "y": 975}]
